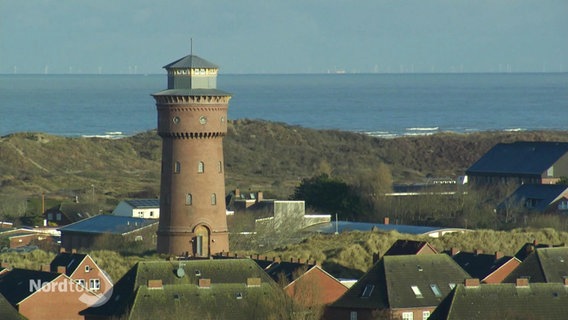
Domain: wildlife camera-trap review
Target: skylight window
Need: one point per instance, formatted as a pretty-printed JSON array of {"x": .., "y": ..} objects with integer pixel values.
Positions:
[
  {"x": 417, "y": 292},
  {"x": 436, "y": 290},
  {"x": 368, "y": 291}
]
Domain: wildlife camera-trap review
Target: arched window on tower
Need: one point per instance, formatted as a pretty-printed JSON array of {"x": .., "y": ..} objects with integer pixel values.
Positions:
[
  {"x": 213, "y": 199},
  {"x": 177, "y": 167},
  {"x": 220, "y": 166},
  {"x": 188, "y": 199},
  {"x": 200, "y": 167}
]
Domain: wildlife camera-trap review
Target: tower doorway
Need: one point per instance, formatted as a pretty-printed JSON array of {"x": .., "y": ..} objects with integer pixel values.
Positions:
[{"x": 201, "y": 241}]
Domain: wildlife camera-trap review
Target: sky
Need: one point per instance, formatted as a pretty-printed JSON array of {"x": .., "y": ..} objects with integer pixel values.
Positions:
[{"x": 290, "y": 36}]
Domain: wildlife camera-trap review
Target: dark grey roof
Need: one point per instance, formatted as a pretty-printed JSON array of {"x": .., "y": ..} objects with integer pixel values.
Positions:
[
  {"x": 542, "y": 265},
  {"x": 68, "y": 260},
  {"x": 143, "y": 203},
  {"x": 393, "y": 278},
  {"x": 504, "y": 301},
  {"x": 529, "y": 248},
  {"x": 193, "y": 92},
  {"x": 402, "y": 247},
  {"x": 15, "y": 285},
  {"x": 519, "y": 158},
  {"x": 105, "y": 223},
  {"x": 191, "y": 61},
  {"x": 543, "y": 195},
  {"x": 7, "y": 311},
  {"x": 480, "y": 265}
]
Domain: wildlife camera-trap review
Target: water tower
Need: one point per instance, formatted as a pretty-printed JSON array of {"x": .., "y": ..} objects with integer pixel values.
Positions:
[{"x": 192, "y": 121}]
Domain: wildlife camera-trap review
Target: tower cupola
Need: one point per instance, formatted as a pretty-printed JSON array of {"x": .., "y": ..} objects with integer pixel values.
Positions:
[{"x": 192, "y": 72}]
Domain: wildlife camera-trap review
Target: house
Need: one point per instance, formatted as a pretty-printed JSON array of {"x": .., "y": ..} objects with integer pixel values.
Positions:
[
  {"x": 82, "y": 269},
  {"x": 489, "y": 268},
  {"x": 274, "y": 214},
  {"x": 519, "y": 300},
  {"x": 109, "y": 231},
  {"x": 542, "y": 265},
  {"x": 66, "y": 213},
  {"x": 45, "y": 295},
  {"x": 194, "y": 289},
  {"x": 538, "y": 198},
  {"x": 138, "y": 208},
  {"x": 530, "y": 247},
  {"x": 521, "y": 162},
  {"x": 405, "y": 286},
  {"x": 406, "y": 247},
  {"x": 21, "y": 237}
]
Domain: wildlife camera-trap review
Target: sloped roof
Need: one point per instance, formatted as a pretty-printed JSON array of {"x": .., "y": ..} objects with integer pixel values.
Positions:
[
  {"x": 220, "y": 301},
  {"x": 519, "y": 158},
  {"x": 529, "y": 248},
  {"x": 544, "y": 194},
  {"x": 504, "y": 301},
  {"x": 287, "y": 270},
  {"x": 7, "y": 311},
  {"x": 191, "y": 61},
  {"x": 221, "y": 271},
  {"x": 106, "y": 223},
  {"x": 15, "y": 285},
  {"x": 480, "y": 265},
  {"x": 68, "y": 260},
  {"x": 393, "y": 277},
  {"x": 72, "y": 211},
  {"x": 403, "y": 247},
  {"x": 143, "y": 203},
  {"x": 543, "y": 265}
]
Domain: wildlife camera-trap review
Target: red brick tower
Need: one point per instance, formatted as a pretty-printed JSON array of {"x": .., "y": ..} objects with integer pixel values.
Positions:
[{"x": 192, "y": 121}]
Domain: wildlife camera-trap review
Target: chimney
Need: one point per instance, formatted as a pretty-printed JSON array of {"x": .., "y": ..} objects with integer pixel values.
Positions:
[
  {"x": 386, "y": 220},
  {"x": 5, "y": 265},
  {"x": 565, "y": 281},
  {"x": 253, "y": 282},
  {"x": 522, "y": 282},
  {"x": 259, "y": 196},
  {"x": 73, "y": 251},
  {"x": 45, "y": 267},
  {"x": 498, "y": 255},
  {"x": 237, "y": 193},
  {"x": 155, "y": 284},
  {"x": 60, "y": 269},
  {"x": 469, "y": 283},
  {"x": 61, "y": 250},
  {"x": 454, "y": 251},
  {"x": 204, "y": 283},
  {"x": 478, "y": 251}
]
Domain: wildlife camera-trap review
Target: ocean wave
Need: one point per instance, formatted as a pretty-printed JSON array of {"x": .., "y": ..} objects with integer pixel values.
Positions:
[
  {"x": 381, "y": 134},
  {"x": 423, "y": 129},
  {"x": 106, "y": 135},
  {"x": 514, "y": 129}
]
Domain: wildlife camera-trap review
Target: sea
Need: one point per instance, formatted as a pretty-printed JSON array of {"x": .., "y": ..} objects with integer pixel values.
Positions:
[{"x": 382, "y": 105}]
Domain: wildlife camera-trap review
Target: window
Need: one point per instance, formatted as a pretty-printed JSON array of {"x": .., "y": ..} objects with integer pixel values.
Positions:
[
  {"x": 452, "y": 285},
  {"x": 188, "y": 199},
  {"x": 151, "y": 213},
  {"x": 58, "y": 216},
  {"x": 353, "y": 315},
  {"x": 177, "y": 167},
  {"x": 407, "y": 316},
  {"x": 436, "y": 290},
  {"x": 200, "y": 167},
  {"x": 141, "y": 214},
  {"x": 50, "y": 216},
  {"x": 95, "y": 284},
  {"x": 87, "y": 268},
  {"x": 425, "y": 315},
  {"x": 367, "y": 291},
  {"x": 81, "y": 282},
  {"x": 220, "y": 166},
  {"x": 563, "y": 205},
  {"x": 213, "y": 199},
  {"x": 416, "y": 291},
  {"x": 138, "y": 238},
  {"x": 550, "y": 172}
]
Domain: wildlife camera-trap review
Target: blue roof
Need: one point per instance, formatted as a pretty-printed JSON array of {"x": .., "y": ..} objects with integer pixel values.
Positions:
[
  {"x": 144, "y": 203},
  {"x": 544, "y": 194},
  {"x": 346, "y": 226},
  {"x": 105, "y": 223},
  {"x": 519, "y": 157}
]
